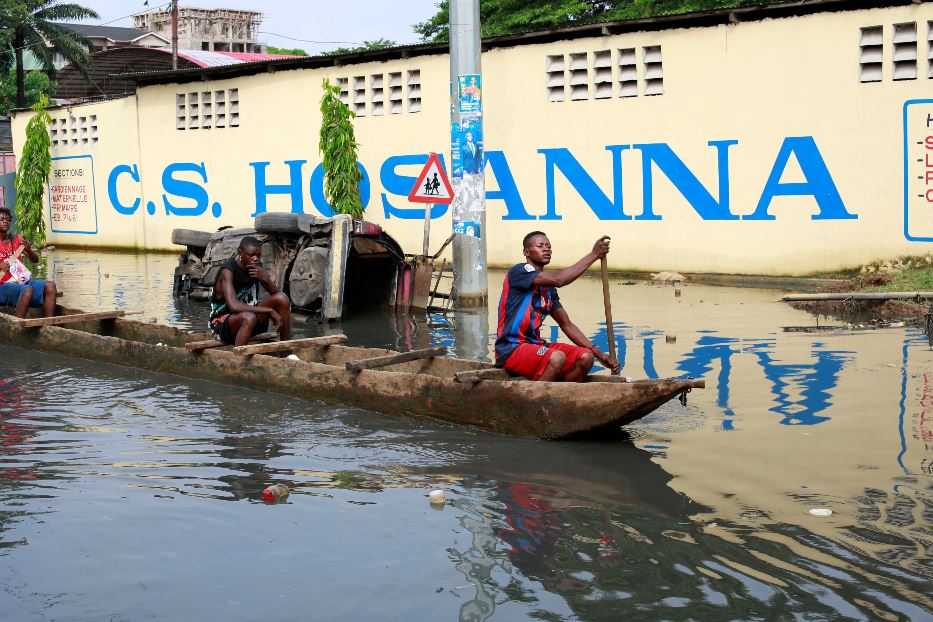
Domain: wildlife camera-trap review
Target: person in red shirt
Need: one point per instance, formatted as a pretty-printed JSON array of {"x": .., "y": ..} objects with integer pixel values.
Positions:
[
  {"x": 37, "y": 292},
  {"x": 529, "y": 295}
]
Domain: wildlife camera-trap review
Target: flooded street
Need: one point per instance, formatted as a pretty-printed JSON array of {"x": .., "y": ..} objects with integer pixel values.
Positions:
[{"x": 129, "y": 495}]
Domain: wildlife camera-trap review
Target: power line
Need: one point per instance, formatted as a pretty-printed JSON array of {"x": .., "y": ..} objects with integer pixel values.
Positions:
[{"x": 275, "y": 34}]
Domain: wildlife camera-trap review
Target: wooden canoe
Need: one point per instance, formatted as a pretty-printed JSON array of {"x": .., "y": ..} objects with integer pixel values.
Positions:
[{"x": 421, "y": 389}]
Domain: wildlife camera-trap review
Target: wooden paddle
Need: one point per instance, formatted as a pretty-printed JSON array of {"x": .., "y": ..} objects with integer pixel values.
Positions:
[{"x": 608, "y": 305}]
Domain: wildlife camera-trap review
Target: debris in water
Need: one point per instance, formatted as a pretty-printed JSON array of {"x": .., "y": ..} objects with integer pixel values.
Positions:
[
  {"x": 821, "y": 511},
  {"x": 437, "y": 497},
  {"x": 276, "y": 492},
  {"x": 668, "y": 277}
]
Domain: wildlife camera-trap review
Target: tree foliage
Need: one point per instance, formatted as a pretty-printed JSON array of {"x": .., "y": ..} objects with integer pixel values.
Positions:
[
  {"x": 286, "y": 51},
  {"x": 504, "y": 17},
  {"x": 378, "y": 44},
  {"x": 339, "y": 147},
  {"x": 36, "y": 83},
  {"x": 33, "y": 175},
  {"x": 30, "y": 24}
]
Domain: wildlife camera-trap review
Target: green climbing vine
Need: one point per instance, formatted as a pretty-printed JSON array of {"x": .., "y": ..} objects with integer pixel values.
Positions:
[
  {"x": 339, "y": 147},
  {"x": 32, "y": 175}
]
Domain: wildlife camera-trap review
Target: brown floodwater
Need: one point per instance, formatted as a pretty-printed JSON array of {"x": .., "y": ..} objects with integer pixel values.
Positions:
[{"x": 127, "y": 495}]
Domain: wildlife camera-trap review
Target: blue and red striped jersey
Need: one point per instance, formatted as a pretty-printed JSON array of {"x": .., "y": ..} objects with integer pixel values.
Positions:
[{"x": 522, "y": 308}]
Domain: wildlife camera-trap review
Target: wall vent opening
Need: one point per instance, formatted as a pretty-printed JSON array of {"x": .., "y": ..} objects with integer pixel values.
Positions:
[
  {"x": 181, "y": 111},
  {"x": 220, "y": 108},
  {"x": 602, "y": 74},
  {"x": 414, "y": 90},
  {"x": 555, "y": 78},
  {"x": 579, "y": 77},
  {"x": 193, "y": 115},
  {"x": 654, "y": 72},
  {"x": 871, "y": 54},
  {"x": 377, "y": 95},
  {"x": 905, "y": 51},
  {"x": 396, "y": 102},
  {"x": 359, "y": 96},
  {"x": 628, "y": 73},
  {"x": 233, "y": 101}
]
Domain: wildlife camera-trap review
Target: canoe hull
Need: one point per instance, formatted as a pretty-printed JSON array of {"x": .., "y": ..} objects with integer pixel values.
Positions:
[{"x": 528, "y": 409}]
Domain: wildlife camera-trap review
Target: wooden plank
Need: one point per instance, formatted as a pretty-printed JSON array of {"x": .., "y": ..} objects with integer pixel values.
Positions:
[
  {"x": 482, "y": 374},
  {"x": 291, "y": 344},
  {"x": 392, "y": 359},
  {"x": 197, "y": 346},
  {"x": 70, "y": 319},
  {"x": 858, "y": 296}
]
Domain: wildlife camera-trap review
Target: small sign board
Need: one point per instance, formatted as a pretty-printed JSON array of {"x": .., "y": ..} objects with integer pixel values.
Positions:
[{"x": 432, "y": 185}]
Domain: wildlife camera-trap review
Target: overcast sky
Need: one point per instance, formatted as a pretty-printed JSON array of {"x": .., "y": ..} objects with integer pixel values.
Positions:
[{"x": 350, "y": 21}]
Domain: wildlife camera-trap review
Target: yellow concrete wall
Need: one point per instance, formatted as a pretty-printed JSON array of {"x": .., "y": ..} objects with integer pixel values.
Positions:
[{"x": 758, "y": 83}]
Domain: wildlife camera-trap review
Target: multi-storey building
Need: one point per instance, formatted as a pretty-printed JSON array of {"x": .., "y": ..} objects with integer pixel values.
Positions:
[{"x": 216, "y": 30}]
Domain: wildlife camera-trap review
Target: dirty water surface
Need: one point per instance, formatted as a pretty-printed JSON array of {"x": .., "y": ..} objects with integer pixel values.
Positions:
[{"x": 128, "y": 495}]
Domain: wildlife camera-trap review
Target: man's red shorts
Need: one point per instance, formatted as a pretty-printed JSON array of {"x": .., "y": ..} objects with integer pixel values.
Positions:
[{"x": 529, "y": 360}]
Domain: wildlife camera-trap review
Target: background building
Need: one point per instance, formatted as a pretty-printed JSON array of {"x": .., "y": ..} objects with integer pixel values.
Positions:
[
  {"x": 99, "y": 38},
  {"x": 221, "y": 30}
]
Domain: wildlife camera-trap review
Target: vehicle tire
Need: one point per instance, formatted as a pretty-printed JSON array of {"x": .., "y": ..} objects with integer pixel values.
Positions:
[
  {"x": 190, "y": 237},
  {"x": 306, "y": 279},
  {"x": 277, "y": 222}
]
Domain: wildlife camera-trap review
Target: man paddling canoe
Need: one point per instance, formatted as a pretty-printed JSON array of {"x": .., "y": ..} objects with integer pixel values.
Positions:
[
  {"x": 236, "y": 311},
  {"x": 529, "y": 294},
  {"x": 33, "y": 293}
]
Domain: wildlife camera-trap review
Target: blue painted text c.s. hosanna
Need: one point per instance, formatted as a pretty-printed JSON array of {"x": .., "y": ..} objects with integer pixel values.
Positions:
[{"x": 185, "y": 185}]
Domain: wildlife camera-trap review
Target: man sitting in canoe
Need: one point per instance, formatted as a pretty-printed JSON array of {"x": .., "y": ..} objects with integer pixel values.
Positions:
[
  {"x": 34, "y": 292},
  {"x": 529, "y": 294},
  {"x": 236, "y": 311}
]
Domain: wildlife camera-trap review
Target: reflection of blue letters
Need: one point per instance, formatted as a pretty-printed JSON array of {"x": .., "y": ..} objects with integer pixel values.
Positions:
[
  {"x": 293, "y": 188},
  {"x": 401, "y": 185},
  {"x": 184, "y": 189},
  {"x": 819, "y": 182},
  {"x": 685, "y": 181},
  {"x": 601, "y": 340},
  {"x": 816, "y": 381},
  {"x": 589, "y": 191},
  {"x": 317, "y": 190},
  {"x": 118, "y": 170},
  {"x": 508, "y": 191},
  {"x": 698, "y": 363}
]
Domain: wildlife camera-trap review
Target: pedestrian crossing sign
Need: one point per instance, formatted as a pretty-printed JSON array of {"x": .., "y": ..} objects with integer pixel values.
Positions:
[{"x": 432, "y": 185}]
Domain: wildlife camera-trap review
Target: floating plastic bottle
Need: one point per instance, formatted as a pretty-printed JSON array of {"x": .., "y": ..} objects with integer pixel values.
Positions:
[
  {"x": 437, "y": 497},
  {"x": 276, "y": 492}
]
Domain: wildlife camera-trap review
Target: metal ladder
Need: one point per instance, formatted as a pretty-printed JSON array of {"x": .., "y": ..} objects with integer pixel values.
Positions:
[{"x": 445, "y": 298}]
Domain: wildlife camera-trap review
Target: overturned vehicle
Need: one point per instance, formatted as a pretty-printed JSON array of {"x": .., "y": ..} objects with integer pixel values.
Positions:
[{"x": 329, "y": 265}]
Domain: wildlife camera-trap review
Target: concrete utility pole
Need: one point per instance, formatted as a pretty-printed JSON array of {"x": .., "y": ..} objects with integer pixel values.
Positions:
[
  {"x": 174, "y": 35},
  {"x": 467, "y": 156}
]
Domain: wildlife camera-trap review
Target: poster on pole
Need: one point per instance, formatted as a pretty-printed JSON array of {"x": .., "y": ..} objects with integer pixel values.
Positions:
[
  {"x": 432, "y": 185},
  {"x": 466, "y": 146},
  {"x": 470, "y": 93}
]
